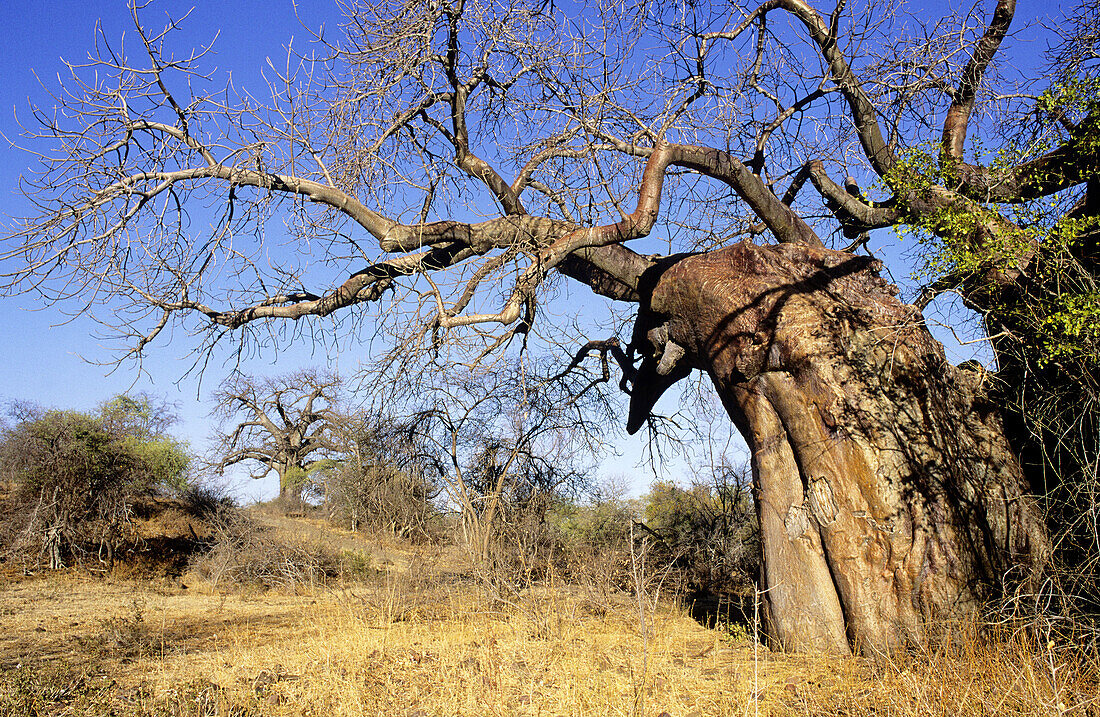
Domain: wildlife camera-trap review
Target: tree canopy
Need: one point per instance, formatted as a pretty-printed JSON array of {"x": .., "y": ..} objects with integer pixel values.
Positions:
[{"x": 460, "y": 156}]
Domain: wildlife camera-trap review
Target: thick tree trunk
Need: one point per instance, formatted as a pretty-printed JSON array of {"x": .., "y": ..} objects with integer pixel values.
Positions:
[
  {"x": 890, "y": 503},
  {"x": 290, "y": 484}
]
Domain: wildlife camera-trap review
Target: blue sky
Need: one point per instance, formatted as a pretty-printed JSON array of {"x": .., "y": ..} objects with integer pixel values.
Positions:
[
  {"x": 48, "y": 356},
  {"x": 45, "y": 350}
]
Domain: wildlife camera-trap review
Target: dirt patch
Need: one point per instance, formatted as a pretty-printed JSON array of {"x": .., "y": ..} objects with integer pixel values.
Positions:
[
  {"x": 58, "y": 619},
  {"x": 161, "y": 539}
]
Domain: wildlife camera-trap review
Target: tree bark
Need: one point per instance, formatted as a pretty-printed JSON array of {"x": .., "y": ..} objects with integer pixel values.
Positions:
[
  {"x": 890, "y": 503},
  {"x": 290, "y": 484}
]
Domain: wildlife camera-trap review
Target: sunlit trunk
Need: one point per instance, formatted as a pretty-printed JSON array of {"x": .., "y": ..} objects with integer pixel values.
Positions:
[
  {"x": 890, "y": 503},
  {"x": 290, "y": 484}
]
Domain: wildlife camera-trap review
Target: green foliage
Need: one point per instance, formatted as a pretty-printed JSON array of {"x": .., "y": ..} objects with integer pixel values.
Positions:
[
  {"x": 75, "y": 475},
  {"x": 708, "y": 530},
  {"x": 594, "y": 540},
  {"x": 1073, "y": 97},
  {"x": 165, "y": 462},
  {"x": 357, "y": 564},
  {"x": 1032, "y": 268},
  {"x": 130, "y": 415},
  {"x": 963, "y": 237},
  {"x": 1055, "y": 307},
  {"x": 601, "y": 525},
  {"x": 958, "y": 236},
  {"x": 1070, "y": 329},
  {"x": 293, "y": 480},
  {"x": 65, "y": 443}
]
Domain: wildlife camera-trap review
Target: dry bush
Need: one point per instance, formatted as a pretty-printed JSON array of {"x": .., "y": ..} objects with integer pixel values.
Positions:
[
  {"x": 286, "y": 506},
  {"x": 526, "y": 547},
  {"x": 160, "y": 537},
  {"x": 374, "y": 495},
  {"x": 595, "y": 540},
  {"x": 244, "y": 553},
  {"x": 205, "y": 501},
  {"x": 707, "y": 535},
  {"x": 74, "y": 481},
  {"x": 419, "y": 592},
  {"x": 76, "y": 477}
]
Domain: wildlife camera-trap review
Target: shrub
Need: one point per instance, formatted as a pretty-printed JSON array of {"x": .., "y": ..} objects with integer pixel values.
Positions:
[
  {"x": 376, "y": 497},
  {"x": 708, "y": 532},
  {"x": 245, "y": 553},
  {"x": 75, "y": 477},
  {"x": 595, "y": 539},
  {"x": 526, "y": 546},
  {"x": 379, "y": 482},
  {"x": 204, "y": 501}
]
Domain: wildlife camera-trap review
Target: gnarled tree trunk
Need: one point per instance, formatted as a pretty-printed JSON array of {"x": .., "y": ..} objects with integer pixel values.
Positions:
[
  {"x": 890, "y": 503},
  {"x": 291, "y": 482}
]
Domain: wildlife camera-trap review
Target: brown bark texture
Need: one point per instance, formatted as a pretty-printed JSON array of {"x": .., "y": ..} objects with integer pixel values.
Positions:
[
  {"x": 291, "y": 482},
  {"x": 890, "y": 502}
]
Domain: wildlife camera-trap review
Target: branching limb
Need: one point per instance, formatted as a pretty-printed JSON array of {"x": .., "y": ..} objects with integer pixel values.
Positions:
[
  {"x": 958, "y": 115},
  {"x": 824, "y": 35}
]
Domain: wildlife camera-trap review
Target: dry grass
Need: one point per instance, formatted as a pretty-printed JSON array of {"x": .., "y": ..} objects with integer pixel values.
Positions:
[
  {"x": 1009, "y": 676},
  {"x": 417, "y": 638}
]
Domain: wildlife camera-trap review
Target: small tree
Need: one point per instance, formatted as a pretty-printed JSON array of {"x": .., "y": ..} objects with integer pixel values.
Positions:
[
  {"x": 501, "y": 443},
  {"x": 280, "y": 424},
  {"x": 376, "y": 482},
  {"x": 138, "y": 415}
]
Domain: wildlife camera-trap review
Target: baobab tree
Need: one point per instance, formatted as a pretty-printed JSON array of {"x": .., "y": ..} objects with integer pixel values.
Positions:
[
  {"x": 282, "y": 424},
  {"x": 717, "y": 167}
]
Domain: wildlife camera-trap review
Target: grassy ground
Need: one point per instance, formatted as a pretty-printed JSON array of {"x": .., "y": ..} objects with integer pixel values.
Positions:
[{"x": 413, "y": 636}]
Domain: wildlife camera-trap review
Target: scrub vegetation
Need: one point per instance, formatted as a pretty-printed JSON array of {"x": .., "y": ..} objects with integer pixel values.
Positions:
[
  {"x": 308, "y": 618},
  {"x": 908, "y": 535}
]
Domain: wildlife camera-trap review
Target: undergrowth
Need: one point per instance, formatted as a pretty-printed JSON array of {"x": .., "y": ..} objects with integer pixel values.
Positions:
[{"x": 406, "y": 630}]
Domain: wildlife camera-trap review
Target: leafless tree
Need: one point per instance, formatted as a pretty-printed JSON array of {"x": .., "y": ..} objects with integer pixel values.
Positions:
[
  {"x": 487, "y": 150},
  {"x": 281, "y": 424},
  {"x": 503, "y": 443},
  {"x": 377, "y": 479}
]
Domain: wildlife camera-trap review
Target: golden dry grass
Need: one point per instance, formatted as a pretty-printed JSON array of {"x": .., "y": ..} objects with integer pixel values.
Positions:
[{"x": 419, "y": 639}]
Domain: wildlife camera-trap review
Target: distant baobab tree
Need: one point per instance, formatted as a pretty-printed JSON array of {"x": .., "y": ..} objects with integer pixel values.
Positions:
[{"x": 282, "y": 424}]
